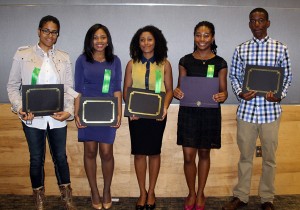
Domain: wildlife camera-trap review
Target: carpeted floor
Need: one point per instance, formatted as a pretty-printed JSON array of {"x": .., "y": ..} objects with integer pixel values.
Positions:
[{"x": 25, "y": 202}]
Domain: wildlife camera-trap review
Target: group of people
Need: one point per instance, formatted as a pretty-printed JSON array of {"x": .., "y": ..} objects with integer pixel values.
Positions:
[{"x": 199, "y": 129}]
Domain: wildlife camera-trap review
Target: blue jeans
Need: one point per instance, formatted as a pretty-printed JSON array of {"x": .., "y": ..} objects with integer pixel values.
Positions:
[{"x": 36, "y": 139}]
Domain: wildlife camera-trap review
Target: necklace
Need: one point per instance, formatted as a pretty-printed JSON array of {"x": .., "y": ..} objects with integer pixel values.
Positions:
[
  {"x": 198, "y": 56},
  {"x": 99, "y": 58},
  {"x": 203, "y": 61},
  {"x": 102, "y": 60}
]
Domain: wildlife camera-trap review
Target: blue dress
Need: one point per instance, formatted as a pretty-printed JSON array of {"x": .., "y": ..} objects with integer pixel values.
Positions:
[{"x": 88, "y": 82}]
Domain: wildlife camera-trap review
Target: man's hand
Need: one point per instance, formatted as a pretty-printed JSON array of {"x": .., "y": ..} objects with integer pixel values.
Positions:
[
  {"x": 248, "y": 96},
  {"x": 270, "y": 97}
]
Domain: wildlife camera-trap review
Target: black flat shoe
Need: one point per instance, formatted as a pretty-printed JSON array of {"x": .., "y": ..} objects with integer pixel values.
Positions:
[
  {"x": 150, "y": 206},
  {"x": 139, "y": 207}
]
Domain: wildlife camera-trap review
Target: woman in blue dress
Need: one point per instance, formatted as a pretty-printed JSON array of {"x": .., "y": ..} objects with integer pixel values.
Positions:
[{"x": 90, "y": 69}]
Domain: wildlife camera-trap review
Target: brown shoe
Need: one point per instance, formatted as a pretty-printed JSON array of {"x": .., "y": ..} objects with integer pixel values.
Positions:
[
  {"x": 66, "y": 196},
  {"x": 39, "y": 197},
  {"x": 234, "y": 204},
  {"x": 267, "y": 206}
]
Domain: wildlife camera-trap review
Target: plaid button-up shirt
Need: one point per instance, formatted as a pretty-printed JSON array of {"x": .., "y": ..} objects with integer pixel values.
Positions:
[{"x": 265, "y": 52}]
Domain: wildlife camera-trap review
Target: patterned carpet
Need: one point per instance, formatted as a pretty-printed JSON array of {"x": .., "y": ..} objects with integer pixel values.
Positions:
[{"x": 25, "y": 202}]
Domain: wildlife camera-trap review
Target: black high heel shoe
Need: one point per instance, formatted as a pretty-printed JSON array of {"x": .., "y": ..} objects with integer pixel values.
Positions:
[
  {"x": 141, "y": 207},
  {"x": 150, "y": 206}
]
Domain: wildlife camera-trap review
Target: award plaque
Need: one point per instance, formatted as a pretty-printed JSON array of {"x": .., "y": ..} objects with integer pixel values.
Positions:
[
  {"x": 144, "y": 103},
  {"x": 199, "y": 91},
  {"x": 98, "y": 111},
  {"x": 263, "y": 79},
  {"x": 43, "y": 100}
]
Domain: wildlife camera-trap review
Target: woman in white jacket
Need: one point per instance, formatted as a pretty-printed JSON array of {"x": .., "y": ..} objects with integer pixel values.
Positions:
[{"x": 43, "y": 64}]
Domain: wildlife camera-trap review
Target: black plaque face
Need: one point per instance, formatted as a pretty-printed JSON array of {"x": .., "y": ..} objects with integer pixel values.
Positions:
[
  {"x": 43, "y": 100},
  {"x": 199, "y": 91},
  {"x": 263, "y": 79},
  {"x": 98, "y": 111},
  {"x": 144, "y": 103}
]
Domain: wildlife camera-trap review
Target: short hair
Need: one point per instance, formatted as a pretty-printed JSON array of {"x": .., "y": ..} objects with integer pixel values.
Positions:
[
  {"x": 49, "y": 18},
  {"x": 88, "y": 50},
  {"x": 262, "y": 10},
  {"x": 212, "y": 30},
  {"x": 160, "y": 49}
]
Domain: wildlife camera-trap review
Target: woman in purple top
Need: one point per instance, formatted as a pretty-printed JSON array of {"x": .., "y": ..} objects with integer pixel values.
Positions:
[{"x": 90, "y": 68}]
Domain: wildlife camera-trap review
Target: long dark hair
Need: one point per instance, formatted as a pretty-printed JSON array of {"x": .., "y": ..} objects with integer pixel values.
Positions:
[
  {"x": 160, "y": 49},
  {"x": 211, "y": 27},
  {"x": 88, "y": 50}
]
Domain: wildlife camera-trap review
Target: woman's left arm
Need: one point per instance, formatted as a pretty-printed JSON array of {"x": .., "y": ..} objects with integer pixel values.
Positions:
[
  {"x": 69, "y": 95},
  {"x": 117, "y": 91},
  {"x": 223, "y": 94},
  {"x": 118, "y": 95},
  {"x": 168, "y": 80}
]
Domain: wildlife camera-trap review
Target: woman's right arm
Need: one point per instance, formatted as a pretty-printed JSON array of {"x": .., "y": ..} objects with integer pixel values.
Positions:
[
  {"x": 14, "y": 86},
  {"x": 127, "y": 79},
  {"x": 177, "y": 92},
  {"x": 79, "y": 83},
  {"x": 128, "y": 83}
]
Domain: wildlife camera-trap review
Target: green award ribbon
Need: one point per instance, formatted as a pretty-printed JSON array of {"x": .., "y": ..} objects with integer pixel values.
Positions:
[
  {"x": 210, "y": 71},
  {"x": 106, "y": 81},
  {"x": 157, "y": 81},
  {"x": 35, "y": 75}
]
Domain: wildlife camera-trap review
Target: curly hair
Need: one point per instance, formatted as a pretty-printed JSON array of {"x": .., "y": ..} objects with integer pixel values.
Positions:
[
  {"x": 88, "y": 50},
  {"x": 211, "y": 27},
  {"x": 160, "y": 49}
]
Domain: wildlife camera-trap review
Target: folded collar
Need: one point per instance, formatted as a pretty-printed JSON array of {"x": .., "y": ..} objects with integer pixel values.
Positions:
[
  {"x": 261, "y": 41},
  {"x": 144, "y": 60}
]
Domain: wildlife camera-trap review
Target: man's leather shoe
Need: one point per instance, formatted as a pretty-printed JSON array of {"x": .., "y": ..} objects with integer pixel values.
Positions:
[
  {"x": 234, "y": 204},
  {"x": 267, "y": 206}
]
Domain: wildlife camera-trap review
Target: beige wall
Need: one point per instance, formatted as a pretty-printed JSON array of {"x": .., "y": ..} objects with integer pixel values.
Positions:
[{"x": 14, "y": 159}]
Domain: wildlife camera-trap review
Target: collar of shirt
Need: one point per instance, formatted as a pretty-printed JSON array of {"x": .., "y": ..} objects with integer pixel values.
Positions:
[
  {"x": 144, "y": 60},
  {"x": 41, "y": 52},
  {"x": 261, "y": 41}
]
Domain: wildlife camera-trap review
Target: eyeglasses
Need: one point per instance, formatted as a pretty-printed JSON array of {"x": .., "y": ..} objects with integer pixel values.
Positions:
[{"x": 47, "y": 32}]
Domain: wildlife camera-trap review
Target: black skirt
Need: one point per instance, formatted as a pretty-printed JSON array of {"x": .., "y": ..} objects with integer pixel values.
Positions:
[
  {"x": 146, "y": 136},
  {"x": 199, "y": 128}
]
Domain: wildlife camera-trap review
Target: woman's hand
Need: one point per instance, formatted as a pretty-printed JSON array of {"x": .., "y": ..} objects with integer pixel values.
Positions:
[
  {"x": 133, "y": 117},
  {"x": 220, "y": 97},
  {"x": 77, "y": 122},
  {"x": 164, "y": 115},
  {"x": 26, "y": 116},
  {"x": 118, "y": 124},
  {"x": 61, "y": 116},
  {"x": 177, "y": 93}
]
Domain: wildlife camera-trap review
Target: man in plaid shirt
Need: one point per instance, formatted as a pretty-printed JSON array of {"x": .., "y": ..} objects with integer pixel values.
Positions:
[{"x": 256, "y": 115}]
